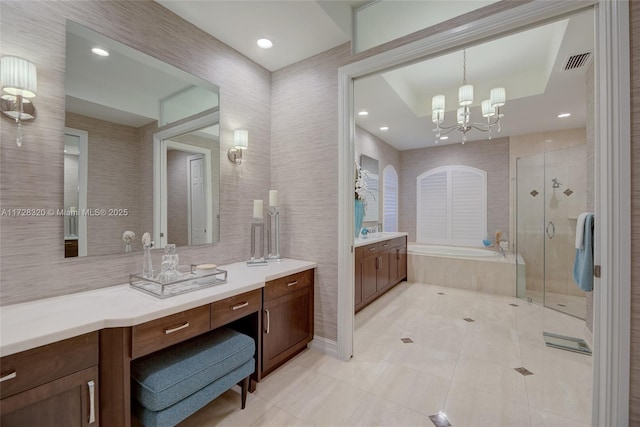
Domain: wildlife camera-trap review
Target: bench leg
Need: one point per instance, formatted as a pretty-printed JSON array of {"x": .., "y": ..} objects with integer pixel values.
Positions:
[{"x": 245, "y": 387}]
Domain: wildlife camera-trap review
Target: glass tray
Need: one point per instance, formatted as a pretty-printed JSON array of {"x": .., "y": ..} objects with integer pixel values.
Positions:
[{"x": 187, "y": 282}]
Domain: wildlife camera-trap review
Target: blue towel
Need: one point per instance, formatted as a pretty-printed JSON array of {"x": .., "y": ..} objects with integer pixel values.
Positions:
[{"x": 583, "y": 265}]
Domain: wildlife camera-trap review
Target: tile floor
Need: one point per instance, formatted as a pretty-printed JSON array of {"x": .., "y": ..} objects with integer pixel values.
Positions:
[
  {"x": 464, "y": 369},
  {"x": 570, "y": 304}
]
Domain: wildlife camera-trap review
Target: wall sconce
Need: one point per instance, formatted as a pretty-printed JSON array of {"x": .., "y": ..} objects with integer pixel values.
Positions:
[
  {"x": 240, "y": 142},
  {"x": 19, "y": 84}
]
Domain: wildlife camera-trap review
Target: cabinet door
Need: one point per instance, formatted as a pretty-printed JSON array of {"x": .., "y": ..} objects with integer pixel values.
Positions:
[
  {"x": 394, "y": 266},
  {"x": 383, "y": 271},
  {"x": 358, "y": 276},
  {"x": 370, "y": 276},
  {"x": 65, "y": 402},
  {"x": 287, "y": 327}
]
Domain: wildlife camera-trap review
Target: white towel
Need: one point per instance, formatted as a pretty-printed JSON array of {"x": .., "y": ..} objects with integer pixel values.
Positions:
[{"x": 580, "y": 229}]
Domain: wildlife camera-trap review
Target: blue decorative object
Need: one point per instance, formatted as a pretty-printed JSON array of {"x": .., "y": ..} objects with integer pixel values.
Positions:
[
  {"x": 486, "y": 243},
  {"x": 364, "y": 233},
  {"x": 359, "y": 216}
]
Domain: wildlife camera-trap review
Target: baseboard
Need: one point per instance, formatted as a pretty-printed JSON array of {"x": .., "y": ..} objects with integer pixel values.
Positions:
[
  {"x": 324, "y": 345},
  {"x": 588, "y": 335}
]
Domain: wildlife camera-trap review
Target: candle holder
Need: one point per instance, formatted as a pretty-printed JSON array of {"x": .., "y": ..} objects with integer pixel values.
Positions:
[
  {"x": 257, "y": 243},
  {"x": 273, "y": 234}
]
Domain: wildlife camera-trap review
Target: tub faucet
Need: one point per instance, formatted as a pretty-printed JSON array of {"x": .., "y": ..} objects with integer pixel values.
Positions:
[{"x": 504, "y": 255}]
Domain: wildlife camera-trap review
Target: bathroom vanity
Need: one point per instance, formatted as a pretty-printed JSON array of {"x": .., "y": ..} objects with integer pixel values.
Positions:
[
  {"x": 74, "y": 352},
  {"x": 380, "y": 264}
]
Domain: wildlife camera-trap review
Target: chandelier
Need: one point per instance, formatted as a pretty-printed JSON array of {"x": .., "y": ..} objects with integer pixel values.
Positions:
[{"x": 490, "y": 109}]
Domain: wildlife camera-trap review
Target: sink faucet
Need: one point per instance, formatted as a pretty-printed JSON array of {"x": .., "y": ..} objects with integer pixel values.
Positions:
[{"x": 504, "y": 255}]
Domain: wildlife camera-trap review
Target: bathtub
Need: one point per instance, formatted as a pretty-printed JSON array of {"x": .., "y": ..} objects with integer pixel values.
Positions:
[{"x": 473, "y": 269}]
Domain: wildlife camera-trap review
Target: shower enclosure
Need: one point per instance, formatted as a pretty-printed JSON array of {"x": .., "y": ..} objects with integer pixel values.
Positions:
[{"x": 551, "y": 193}]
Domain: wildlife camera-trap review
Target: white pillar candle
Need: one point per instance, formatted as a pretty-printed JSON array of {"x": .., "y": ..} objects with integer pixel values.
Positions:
[
  {"x": 273, "y": 197},
  {"x": 257, "y": 209}
]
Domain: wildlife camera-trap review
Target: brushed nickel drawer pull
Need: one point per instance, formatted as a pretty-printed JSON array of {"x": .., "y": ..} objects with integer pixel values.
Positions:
[
  {"x": 239, "y": 306},
  {"x": 385, "y": 245},
  {"x": 268, "y": 321},
  {"x": 372, "y": 249},
  {"x": 177, "y": 328},
  {"x": 92, "y": 402},
  {"x": 11, "y": 375},
  {"x": 292, "y": 283}
]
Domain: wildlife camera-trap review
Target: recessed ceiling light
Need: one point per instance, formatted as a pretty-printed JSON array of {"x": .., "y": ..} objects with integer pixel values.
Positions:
[
  {"x": 363, "y": 113},
  {"x": 563, "y": 115},
  {"x": 265, "y": 43},
  {"x": 444, "y": 137},
  {"x": 100, "y": 51},
  {"x": 384, "y": 128}
]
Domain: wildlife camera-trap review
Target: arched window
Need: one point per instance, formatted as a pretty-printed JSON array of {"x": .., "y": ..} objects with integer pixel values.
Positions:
[
  {"x": 390, "y": 198},
  {"x": 452, "y": 206}
]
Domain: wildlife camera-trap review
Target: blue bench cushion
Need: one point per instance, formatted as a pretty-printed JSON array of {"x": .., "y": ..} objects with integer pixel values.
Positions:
[
  {"x": 168, "y": 376},
  {"x": 172, "y": 415}
]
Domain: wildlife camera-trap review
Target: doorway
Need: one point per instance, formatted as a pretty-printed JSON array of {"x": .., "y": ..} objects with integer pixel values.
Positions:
[{"x": 612, "y": 309}]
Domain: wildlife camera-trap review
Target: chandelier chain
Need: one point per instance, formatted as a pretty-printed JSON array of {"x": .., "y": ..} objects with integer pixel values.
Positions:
[{"x": 464, "y": 66}]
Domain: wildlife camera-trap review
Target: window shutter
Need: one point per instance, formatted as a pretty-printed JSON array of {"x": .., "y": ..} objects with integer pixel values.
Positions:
[
  {"x": 452, "y": 206},
  {"x": 390, "y": 199}
]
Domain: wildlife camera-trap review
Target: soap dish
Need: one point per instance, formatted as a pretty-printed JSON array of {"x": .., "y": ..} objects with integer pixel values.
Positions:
[{"x": 189, "y": 281}]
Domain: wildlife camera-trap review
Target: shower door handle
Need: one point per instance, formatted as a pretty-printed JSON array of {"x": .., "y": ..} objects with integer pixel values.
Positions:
[{"x": 551, "y": 229}]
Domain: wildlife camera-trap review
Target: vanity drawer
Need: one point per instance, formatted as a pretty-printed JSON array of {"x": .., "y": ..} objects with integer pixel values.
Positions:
[
  {"x": 32, "y": 368},
  {"x": 235, "y": 307},
  {"x": 157, "y": 334},
  {"x": 370, "y": 249},
  {"x": 285, "y": 285}
]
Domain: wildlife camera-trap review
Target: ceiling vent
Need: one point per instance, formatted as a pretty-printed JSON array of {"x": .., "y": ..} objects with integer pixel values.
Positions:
[{"x": 577, "y": 61}]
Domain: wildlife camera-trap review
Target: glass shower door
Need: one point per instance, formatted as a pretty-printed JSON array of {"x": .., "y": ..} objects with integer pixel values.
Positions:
[
  {"x": 551, "y": 193},
  {"x": 565, "y": 194},
  {"x": 530, "y": 217}
]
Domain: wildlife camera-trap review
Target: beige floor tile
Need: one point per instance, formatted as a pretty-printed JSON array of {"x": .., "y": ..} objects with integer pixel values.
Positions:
[
  {"x": 499, "y": 313},
  {"x": 426, "y": 359},
  {"x": 413, "y": 389},
  {"x": 376, "y": 346},
  {"x": 440, "y": 332},
  {"x": 361, "y": 371},
  {"x": 473, "y": 408},
  {"x": 310, "y": 358},
  {"x": 226, "y": 411},
  {"x": 555, "y": 363},
  {"x": 557, "y": 396},
  {"x": 540, "y": 418},
  {"x": 377, "y": 412},
  {"x": 487, "y": 377},
  {"x": 493, "y": 345},
  {"x": 322, "y": 401},
  {"x": 276, "y": 417},
  {"x": 453, "y": 305},
  {"x": 277, "y": 384}
]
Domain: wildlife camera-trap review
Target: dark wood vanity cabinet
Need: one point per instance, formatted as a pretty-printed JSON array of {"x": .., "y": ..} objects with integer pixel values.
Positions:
[
  {"x": 397, "y": 260},
  {"x": 287, "y": 322},
  {"x": 55, "y": 385},
  {"x": 378, "y": 267}
]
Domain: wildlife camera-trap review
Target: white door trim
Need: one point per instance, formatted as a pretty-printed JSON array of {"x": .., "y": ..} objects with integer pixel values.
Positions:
[
  {"x": 83, "y": 184},
  {"x": 612, "y": 313},
  {"x": 160, "y": 145}
]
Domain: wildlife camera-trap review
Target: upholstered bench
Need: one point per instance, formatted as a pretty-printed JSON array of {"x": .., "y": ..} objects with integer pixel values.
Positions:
[{"x": 171, "y": 384}]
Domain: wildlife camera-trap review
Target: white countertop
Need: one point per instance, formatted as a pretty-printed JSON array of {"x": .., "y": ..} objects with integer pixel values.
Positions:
[
  {"x": 377, "y": 237},
  {"x": 31, "y": 324}
]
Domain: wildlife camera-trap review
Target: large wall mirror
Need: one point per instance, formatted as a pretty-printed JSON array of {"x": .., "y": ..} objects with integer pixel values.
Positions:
[{"x": 142, "y": 150}]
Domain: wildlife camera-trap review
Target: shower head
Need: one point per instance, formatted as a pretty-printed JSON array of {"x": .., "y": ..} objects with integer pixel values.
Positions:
[{"x": 556, "y": 184}]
